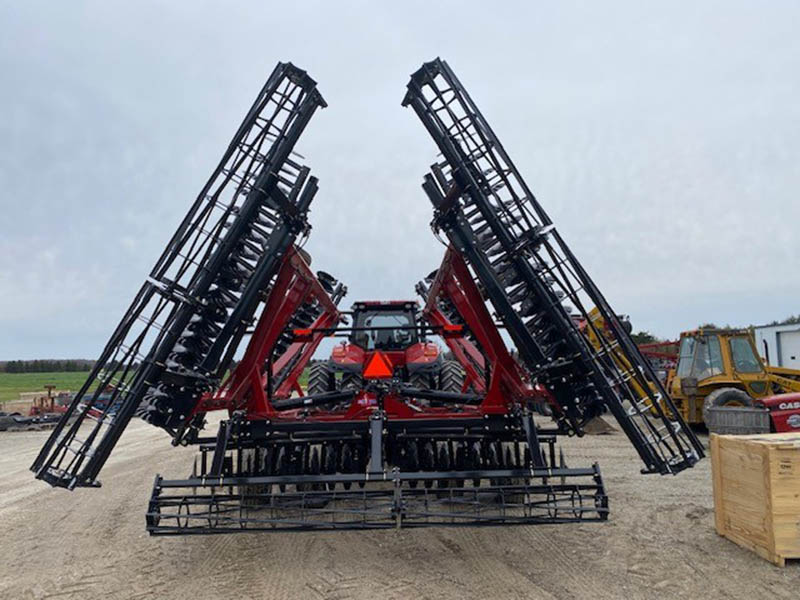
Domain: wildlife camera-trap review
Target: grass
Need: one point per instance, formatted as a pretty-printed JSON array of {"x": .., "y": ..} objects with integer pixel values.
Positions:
[
  {"x": 11, "y": 384},
  {"x": 303, "y": 379}
]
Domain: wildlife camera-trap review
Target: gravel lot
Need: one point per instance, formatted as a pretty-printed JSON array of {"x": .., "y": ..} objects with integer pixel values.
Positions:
[{"x": 658, "y": 542}]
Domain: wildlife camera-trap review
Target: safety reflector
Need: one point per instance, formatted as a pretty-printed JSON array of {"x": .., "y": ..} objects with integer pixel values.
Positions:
[
  {"x": 303, "y": 335},
  {"x": 378, "y": 367},
  {"x": 450, "y": 331}
]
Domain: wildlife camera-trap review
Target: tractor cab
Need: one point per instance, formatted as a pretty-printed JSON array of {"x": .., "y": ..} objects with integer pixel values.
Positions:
[
  {"x": 385, "y": 325},
  {"x": 392, "y": 328}
]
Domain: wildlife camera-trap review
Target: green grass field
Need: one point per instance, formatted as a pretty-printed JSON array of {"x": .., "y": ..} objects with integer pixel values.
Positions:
[{"x": 11, "y": 384}]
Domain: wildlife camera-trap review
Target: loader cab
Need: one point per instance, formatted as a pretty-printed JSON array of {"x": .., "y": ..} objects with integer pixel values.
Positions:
[
  {"x": 699, "y": 357},
  {"x": 384, "y": 325},
  {"x": 710, "y": 359},
  {"x": 704, "y": 354}
]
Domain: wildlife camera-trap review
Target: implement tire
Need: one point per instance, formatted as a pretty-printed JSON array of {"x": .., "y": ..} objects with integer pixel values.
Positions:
[
  {"x": 732, "y": 397},
  {"x": 321, "y": 379}
]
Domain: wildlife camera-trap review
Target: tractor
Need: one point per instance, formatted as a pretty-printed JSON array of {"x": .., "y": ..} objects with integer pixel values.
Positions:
[
  {"x": 721, "y": 368},
  {"x": 392, "y": 327}
]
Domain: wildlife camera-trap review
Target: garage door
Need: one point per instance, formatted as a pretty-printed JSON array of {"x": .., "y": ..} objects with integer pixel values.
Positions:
[{"x": 789, "y": 343}]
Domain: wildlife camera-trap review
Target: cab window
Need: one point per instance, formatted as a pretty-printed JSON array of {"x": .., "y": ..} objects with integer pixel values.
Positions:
[
  {"x": 700, "y": 357},
  {"x": 707, "y": 358},
  {"x": 385, "y": 336},
  {"x": 685, "y": 357},
  {"x": 744, "y": 359}
]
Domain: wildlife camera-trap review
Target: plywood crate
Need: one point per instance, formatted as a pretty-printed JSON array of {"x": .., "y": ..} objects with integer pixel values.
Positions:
[{"x": 757, "y": 492}]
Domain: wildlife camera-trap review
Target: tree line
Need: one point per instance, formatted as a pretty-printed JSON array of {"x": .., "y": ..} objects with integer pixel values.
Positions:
[
  {"x": 45, "y": 366},
  {"x": 645, "y": 337}
]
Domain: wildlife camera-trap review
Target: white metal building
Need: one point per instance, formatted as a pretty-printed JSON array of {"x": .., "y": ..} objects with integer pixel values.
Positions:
[{"x": 779, "y": 345}]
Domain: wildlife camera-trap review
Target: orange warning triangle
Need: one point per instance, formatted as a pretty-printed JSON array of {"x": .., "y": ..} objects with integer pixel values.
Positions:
[{"x": 378, "y": 366}]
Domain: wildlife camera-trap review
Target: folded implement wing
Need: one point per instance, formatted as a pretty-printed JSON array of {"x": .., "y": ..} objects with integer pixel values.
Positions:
[
  {"x": 178, "y": 336},
  {"x": 538, "y": 287}
]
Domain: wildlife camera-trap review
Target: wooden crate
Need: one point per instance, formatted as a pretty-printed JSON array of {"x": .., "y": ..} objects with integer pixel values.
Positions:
[
  {"x": 757, "y": 492},
  {"x": 20, "y": 406}
]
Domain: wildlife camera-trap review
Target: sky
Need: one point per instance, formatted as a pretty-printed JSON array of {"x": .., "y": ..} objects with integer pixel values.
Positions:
[{"x": 662, "y": 138}]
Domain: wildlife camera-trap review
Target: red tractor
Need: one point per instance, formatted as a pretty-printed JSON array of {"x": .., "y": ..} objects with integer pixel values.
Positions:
[{"x": 392, "y": 327}]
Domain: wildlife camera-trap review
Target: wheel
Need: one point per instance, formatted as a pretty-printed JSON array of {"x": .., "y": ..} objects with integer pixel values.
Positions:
[
  {"x": 421, "y": 380},
  {"x": 451, "y": 377},
  {"x": 320, "y": 379},
  {"x": 427, "y": 460},
  {"x": 347, "y": 464},
  {"x": 329, "y": 462},
  {"x": 725, "y": 397},
  {"x": 351, "y": 381}
]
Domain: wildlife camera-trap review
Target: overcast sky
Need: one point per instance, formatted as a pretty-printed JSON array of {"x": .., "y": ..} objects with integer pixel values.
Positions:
[{"x": 662, "y": 138}]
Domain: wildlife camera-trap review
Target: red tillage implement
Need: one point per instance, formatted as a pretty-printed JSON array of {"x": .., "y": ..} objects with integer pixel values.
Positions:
[{"x": 388, "y": 434}]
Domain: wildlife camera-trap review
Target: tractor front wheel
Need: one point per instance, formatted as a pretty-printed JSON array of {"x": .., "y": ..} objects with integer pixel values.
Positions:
[{"x": 729, "y": 397}]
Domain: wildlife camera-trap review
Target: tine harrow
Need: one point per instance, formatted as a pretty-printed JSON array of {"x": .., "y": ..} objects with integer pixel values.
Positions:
[{"x": 534, "y": 281}]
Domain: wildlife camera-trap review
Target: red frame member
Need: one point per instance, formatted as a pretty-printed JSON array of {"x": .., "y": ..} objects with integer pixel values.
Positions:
[
  {"x": 508, "y": 382},
  {"x": 245, "y": 386}
]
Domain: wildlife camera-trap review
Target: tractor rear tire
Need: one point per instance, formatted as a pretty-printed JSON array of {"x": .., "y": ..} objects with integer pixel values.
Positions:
[
  {"x": 451, "y": 377},
  {"x": 421, "y": 381},
  {"x": 732, "y": 397},
  {"x": 351, "y": 381},
  {"x": 321, "y": 379}
]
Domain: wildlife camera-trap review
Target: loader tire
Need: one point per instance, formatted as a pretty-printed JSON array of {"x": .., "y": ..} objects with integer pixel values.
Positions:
[
  {"x": 321, "y": 379},
  {"x": 451, "y": 377},
  {"x": 731, "y": 397}
]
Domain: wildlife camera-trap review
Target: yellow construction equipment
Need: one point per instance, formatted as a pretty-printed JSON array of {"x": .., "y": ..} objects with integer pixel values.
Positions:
[
  {"x": 715, "y": 367},
  {"x": 720, "y": 367}
]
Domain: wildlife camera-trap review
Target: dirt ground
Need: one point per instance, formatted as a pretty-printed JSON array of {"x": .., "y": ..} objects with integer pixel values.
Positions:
[{"x": 658, "y": 542}]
